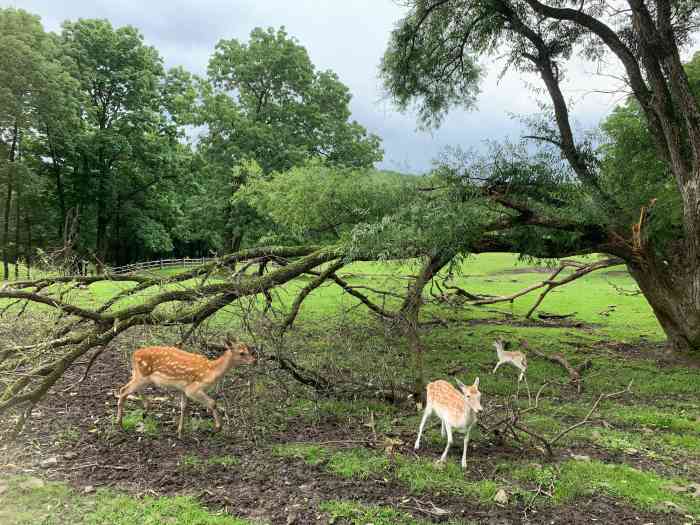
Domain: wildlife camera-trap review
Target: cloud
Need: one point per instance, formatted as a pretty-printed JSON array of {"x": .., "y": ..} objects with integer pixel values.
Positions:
[{"x": 347, "y": 37}]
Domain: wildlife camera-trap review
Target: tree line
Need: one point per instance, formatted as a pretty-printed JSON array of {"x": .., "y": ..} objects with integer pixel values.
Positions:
[{"x": 107, "y": 154}]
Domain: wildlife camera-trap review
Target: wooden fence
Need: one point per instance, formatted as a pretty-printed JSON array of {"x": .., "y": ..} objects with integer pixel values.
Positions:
[{"x": 184, "y": 262}]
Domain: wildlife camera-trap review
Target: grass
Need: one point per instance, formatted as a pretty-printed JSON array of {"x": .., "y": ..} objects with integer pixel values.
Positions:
[
  {"x": 137, "y": 421},
  {"x": 192, "y": 462},
  {"x": 658, "y": 421},
  {"x": 353, "y": 513},
  {"x": 423, "y": 475},
  {"x": 419, "y": 476},
  {"x": 574, "y": 479},
  {"x": 29, "y": 501}
]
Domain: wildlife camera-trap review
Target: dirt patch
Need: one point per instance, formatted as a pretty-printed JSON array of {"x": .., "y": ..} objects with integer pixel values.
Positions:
[{"x": 71, "y": 437}]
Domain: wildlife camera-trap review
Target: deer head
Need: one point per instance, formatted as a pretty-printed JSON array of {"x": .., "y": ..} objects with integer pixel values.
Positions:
[
  {"x": 472, "y": 396},
  {"x": 240, "y": 353}
]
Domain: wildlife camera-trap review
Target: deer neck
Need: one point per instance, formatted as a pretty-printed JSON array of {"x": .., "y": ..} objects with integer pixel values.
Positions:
[
  {"x": 469, "y": 414},
  {"x": 499, "y": 353},
  {"x": 222, "y": 364}
]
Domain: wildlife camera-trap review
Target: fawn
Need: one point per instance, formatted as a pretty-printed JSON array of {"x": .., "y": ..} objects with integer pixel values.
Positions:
[
  {"x": 454, "y": 408},
  {"x": 517, "y": 359},
  {"x": 190, "y": 373}
]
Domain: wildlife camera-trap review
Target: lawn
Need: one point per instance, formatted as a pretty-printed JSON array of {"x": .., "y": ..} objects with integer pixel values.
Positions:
[{"x": 350, "y": 459}]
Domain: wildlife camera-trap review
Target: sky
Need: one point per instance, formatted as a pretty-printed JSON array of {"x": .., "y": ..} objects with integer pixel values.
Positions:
[{"x": 348, "y": 37}]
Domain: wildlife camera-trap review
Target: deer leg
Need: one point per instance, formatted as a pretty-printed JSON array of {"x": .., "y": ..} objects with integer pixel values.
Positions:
[
  {"x": 448, "y": 430},
  {"x": 426, "y": 414},
  {"x": 466, "y": 444},
  {"x": 496, "y": 367},
  {"x": 529, "y": 397},
  {"x": 131, "y": 387},
  {"x": 195, "y": 393},
  {"x": 183, "y": 409},
  {"x": 146, "y": 403},
  {"x": 442, "y": 428}
]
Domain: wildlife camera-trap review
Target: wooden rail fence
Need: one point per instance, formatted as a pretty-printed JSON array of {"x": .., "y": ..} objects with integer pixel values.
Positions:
[{"x": 160, "y": 264}]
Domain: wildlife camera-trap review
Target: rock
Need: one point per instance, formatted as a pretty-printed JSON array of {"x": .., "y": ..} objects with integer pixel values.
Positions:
[
  {"x": 666, "y": 505},
  {"x": 581, "y": 457},
  {"x": 501, "y": 497},
  {"x": 88, "y": 489},
  {"x": 49, "y": 462},
  {"x": 3, "y": 488},
  {"x": 694, "y": 489},
  {"x": 292, "y": 518},
  {"x": 70, "y": 455},
  {"x": 32, "y": 483}
]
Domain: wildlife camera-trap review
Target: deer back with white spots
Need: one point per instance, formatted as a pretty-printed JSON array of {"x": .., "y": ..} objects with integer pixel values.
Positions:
[{"x": 191, "y": 374}]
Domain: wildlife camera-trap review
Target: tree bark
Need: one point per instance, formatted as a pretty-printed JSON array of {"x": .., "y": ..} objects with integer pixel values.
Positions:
[
  {"x": 410, "y": 313},
  {"x": 673, "y": 292},
  {"x": 18, "y": 227},
  {"x": 8, "y": 206},
  {"x": 28, "y": 252},
  {"x": 60, "y": 191},
  {"x": 101, "y": 232}
]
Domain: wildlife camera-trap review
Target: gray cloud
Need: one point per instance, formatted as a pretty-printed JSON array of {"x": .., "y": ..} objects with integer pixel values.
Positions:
[{"x": 347, "y": 37}]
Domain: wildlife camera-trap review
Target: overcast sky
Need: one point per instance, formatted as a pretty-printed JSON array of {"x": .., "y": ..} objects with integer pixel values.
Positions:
[{"x": 348, "y": 37}]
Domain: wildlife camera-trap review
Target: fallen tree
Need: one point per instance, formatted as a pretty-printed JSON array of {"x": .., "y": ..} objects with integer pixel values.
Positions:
[{"x": 29, "y": 371}]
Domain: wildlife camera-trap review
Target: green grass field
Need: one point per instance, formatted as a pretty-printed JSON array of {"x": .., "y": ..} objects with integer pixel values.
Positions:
[{"x": 629, "y": 451}]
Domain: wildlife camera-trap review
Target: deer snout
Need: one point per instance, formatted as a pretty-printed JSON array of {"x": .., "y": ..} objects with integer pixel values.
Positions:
[{"x": 475, "y": 405}]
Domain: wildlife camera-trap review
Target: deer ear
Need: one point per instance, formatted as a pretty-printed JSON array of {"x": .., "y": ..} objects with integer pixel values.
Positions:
[
  {"x": 460, "y": 383},
  {"x": 476, "y": 382}
]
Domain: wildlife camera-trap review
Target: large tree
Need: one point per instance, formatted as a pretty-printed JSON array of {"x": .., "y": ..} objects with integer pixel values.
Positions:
[
  {"x": 266, "y": 101},
  {"x": 26, "y": 73},
  {"x": 431, "y": 60},
  {"x": 125, "y": 153}
]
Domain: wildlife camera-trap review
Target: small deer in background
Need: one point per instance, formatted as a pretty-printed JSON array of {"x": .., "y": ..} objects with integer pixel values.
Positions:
[
  {"x": 190, "y": 373},
  {"x": 455, "y": 408},
  {"x": 517, "y": 359}
]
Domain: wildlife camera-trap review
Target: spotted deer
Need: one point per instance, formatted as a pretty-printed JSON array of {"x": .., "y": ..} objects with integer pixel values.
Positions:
[
  {"x": 517, "y": 359},
  {"x": 191, "y": 374},
  {"x": 456, "y": 409}
]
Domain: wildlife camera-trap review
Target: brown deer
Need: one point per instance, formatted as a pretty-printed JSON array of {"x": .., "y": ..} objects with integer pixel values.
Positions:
[
  {"x": 455, "y": 408},
  {"x": 192, "y": 374}
]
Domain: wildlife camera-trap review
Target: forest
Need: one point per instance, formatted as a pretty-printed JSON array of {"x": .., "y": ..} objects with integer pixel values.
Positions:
[{"x": 165, "y": 234}]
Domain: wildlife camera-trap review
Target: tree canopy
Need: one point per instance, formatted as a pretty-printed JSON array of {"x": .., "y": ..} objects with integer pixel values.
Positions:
[{"x": 431, "y": 61}]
